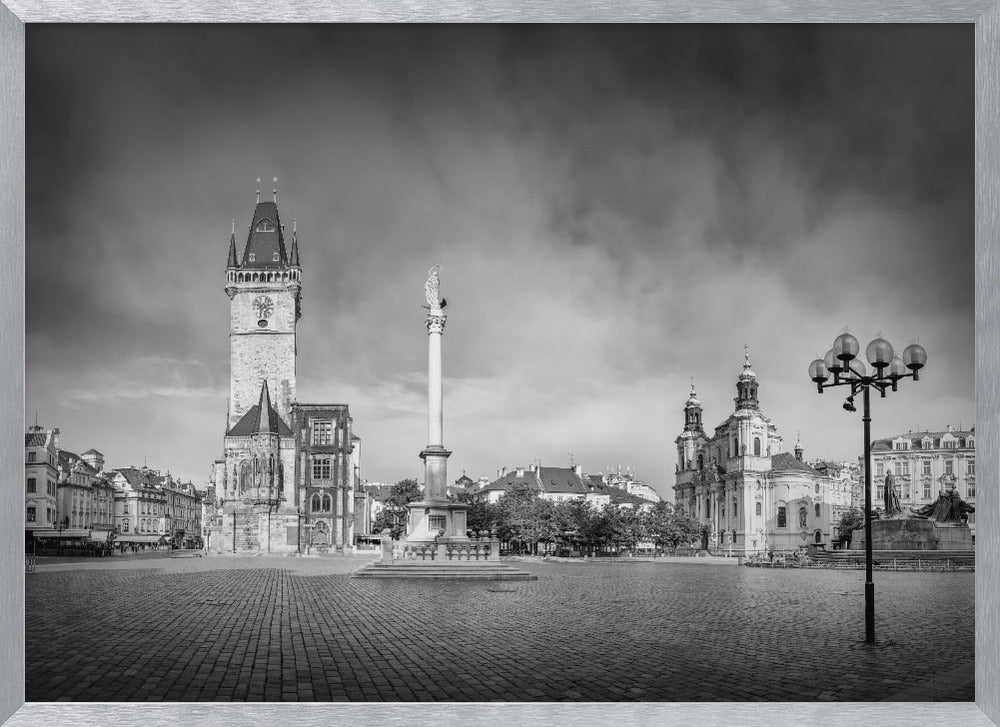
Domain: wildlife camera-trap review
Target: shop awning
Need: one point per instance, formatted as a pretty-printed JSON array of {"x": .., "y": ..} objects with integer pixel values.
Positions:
[
  {"x": 74, "y": 534},
  {"x": 141, "y": 539}
]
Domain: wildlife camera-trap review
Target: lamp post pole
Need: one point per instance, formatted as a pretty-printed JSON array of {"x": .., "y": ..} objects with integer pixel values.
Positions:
[
  {"x": 869, "y": 583},
  {"x": 842, "y": 361}
]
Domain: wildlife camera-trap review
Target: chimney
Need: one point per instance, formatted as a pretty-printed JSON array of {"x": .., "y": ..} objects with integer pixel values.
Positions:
[
  {"x": 578, "y": 469},
  {"x": 501, "y": 472},
  {"x": 520, "y": 471}
]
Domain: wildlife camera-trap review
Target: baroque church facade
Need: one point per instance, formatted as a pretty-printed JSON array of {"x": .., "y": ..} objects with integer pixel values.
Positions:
[
  {"x": 286, "y": 479},
  {"x": 753, "y": 496}
]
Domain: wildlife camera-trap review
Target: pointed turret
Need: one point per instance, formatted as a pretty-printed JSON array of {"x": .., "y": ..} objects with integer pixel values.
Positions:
[
  {"x": 233, "y": 262},
  {"x": 293, "y": 256},
  {"x": 265, "y": 246},
  {"x": 692, "y": 411}
]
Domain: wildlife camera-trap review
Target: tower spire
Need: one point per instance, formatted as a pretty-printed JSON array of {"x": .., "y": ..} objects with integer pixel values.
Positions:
[
  {"x": 275, "y": 190},
  {"x": 258, "y": 190},
  {"x": 293, "y": 255},
  {"x": 264, "y": 423}
]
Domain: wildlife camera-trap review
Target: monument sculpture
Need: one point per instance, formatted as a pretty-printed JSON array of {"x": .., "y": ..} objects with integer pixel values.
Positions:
[
  {"x": 435, "y": 519},
  {"x": 940, "y": 525}
]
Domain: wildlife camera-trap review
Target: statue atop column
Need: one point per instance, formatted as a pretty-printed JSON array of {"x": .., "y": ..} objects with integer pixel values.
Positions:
[{"x": 432, "y": 290}]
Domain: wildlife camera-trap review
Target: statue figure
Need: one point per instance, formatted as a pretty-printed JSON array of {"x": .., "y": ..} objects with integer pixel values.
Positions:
[
  {"x": 432, "y": 289},
  {"x": 948, "y": 508},
  {"x": 890, "y": 498}
]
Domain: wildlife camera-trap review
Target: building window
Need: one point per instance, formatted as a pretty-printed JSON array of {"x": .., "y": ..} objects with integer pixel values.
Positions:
[
  {"x": 927, "y": 490},
  {"x": 31, "y": 456},
  {"x": 757, "y": 509},
  {"x": 817, "y": 510},
  {"x": 782, "y": 520},
  {"x": 265, "y": 226},
  {"x": 970, "y": 466},
  {"x": 436, "y": 522},
  {"x": 322, "y": 431},
  {"x": 949, "y": 466},
  {"x": 756, "y": 446},
  {"x": 30, "y": 515},
  {"x": 880, "y": 469},
  {"x": 275, "y": 258},
  {"x": 899, "y": 468},
  {"x": 125, "y": 525},
  {"x": 253, "y": 258},
  {"x": 970, "y": 488},
  {"x": 321, "y": 468},
  {"x": 31, "y": 484},
  {"x": 125, "y": 509},
  {"x": 906, "y": 469},
  {"x": 926, "y": 467}
]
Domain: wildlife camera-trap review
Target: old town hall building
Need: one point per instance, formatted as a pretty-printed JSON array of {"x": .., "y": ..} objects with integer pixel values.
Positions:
[
  {"x": 287, "y": 476},
  {"x": 751, "y": 495}
]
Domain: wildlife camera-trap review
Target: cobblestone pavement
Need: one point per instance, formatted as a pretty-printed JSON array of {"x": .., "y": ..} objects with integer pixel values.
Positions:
[{"x": 227, "y": 628}]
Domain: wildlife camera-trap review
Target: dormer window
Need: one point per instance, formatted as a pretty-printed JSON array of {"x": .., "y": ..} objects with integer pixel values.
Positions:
[
  {"x": 253, "y": 257},
  {"x": 265, "y": 226},
  {"x": 275, "y": 258}
]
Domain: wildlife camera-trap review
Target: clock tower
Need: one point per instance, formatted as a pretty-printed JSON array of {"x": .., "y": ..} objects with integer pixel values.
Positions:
[{"x": 264, "y": 287}]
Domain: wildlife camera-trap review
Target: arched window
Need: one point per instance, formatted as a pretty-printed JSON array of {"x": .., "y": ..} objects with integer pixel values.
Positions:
[
  {"x": 701, "y": 461},
  {"x": 758, "y": 509},
  {"x": 315, "y": 503},
  {"x": 817, "y": 509},
  {"x": 756, "y": 446},
  {"x": 782, "y": 517},
  {"x": 819, "y": 536},
  {"x": 327, "y": 503},
  {"x": 244, "y": 476},
  {"x": 265, "y": 226},
  {"x": 736, "y": 511}
]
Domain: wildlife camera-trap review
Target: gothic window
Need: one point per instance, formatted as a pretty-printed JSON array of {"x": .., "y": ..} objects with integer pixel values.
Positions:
[
  {"x": 782, "y": 519},
  {"x": 327, "y": 503},
  {"x": 265, "y": 226},
  {"x": 757, "y": 509},
  {"x": 756, "y": 446},
  {"x": 802, "y": 517},
  {"x": 817, "y": 509},
  {"x": 315, "y": 503},
  {"x": 244, "y": 476}
]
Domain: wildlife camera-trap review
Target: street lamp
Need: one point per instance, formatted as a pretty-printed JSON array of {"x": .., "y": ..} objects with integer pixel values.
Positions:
[{"x": 887, "y": 369}]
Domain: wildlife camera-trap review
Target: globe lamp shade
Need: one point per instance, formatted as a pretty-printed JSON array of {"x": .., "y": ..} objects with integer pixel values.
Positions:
[
  {"x": 818, "y": 372},
  {"x": 846, "y": 347},
  {"x": 914, "y": 356},
  {"x": 879, "y": 353}
]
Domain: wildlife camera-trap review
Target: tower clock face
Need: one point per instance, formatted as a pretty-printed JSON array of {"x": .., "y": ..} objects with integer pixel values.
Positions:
[{"x": 263, "y": 307}]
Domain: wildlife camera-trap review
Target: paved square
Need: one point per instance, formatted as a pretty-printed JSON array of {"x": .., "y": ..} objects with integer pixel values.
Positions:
[{"x": 273, "y": 629}]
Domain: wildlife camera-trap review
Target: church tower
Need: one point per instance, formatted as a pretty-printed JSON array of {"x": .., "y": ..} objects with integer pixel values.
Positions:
[{"x": 264, "y": 286}]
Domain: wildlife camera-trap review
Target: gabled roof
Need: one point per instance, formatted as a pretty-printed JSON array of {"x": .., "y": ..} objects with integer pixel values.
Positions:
[
  {"x": 786, "y": 462},
  {"x": 915, "y": 438},
  {"x": 261, "y": 419},
  {"x": 264, "y": 244},
  {"x": 624, "y": 497},
  {"x": 92, "y": 451}
]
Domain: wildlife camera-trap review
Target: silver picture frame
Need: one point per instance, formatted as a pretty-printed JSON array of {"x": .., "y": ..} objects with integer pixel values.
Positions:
[{"x": 984, "y": 14}]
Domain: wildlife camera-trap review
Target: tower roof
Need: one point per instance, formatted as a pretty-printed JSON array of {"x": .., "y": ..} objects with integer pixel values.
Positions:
[
  {"x": 261, "y": 419},
  {"x": 693, "y": 398},
  {"x": 265, "y": 246},
  {"x": 747, "y": 373}
]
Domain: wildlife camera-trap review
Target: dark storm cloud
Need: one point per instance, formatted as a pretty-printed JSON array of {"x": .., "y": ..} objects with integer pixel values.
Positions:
[{"x": 615, "y": 208}]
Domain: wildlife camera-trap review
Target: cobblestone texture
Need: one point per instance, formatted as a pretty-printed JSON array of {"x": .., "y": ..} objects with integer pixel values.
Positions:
[{"x": 292, "y": 629}]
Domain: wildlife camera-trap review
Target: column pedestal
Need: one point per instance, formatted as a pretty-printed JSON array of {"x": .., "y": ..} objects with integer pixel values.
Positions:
[{"x": 435, "y": 513}]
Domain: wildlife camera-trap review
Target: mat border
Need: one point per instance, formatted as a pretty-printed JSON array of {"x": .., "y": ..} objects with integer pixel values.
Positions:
[{"x": 985, "y": 14}]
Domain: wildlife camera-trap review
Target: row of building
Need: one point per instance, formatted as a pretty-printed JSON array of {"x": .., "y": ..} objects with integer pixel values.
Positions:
[{"x": 71, "y": 498}]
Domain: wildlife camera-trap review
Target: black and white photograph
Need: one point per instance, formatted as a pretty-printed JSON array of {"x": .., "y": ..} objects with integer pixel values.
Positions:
[{"x": 500, "y": 363}]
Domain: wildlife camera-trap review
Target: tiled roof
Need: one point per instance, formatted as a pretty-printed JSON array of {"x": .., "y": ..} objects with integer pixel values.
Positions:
[
  {"x": 263, "y": 245},
  {"x": 786, "y": 461},
  {"x": 561, "y": 479},
  {"x": 624, "y": 497},
  {"x": 93, "y": 451},
  {"x": 34, "y": 439},
  {"x": 917, "y": 437}
]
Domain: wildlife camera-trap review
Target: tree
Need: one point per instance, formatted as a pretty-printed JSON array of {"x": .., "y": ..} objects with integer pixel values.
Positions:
[
  {"x": 481, "y": 514},
  {"x": 850, "y": 521},
  {"x": 394, "y": 513}
]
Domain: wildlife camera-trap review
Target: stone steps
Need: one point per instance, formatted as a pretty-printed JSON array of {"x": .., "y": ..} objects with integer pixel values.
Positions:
[{"x": 481, "y": 570}]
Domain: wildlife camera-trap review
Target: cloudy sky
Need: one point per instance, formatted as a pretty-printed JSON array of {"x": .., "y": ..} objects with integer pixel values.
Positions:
[{"x": 615, "y": 209}]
